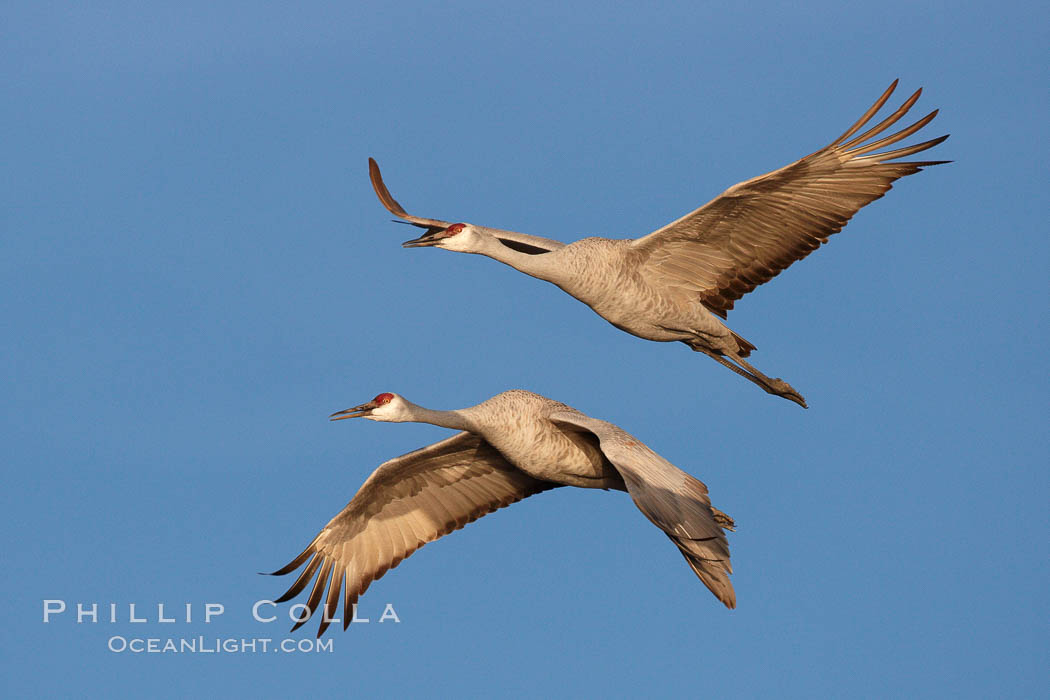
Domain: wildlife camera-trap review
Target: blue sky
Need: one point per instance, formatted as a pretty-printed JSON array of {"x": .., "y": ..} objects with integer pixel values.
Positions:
[{"x": 195, "y": 273}]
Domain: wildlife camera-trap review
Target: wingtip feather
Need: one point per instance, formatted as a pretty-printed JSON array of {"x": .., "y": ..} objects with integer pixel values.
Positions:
[{"x": 866, "y": 117}]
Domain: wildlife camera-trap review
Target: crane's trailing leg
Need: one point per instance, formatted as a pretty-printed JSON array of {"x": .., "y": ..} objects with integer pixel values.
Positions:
[
  {"x": 777, "y": 387},
  {"x": 723, "y": 520}
]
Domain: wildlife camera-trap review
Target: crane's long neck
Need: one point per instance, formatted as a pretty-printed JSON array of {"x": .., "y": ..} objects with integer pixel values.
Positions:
[
  {"x": 543, "y": 266},
  {"x": 456, "y": 420}
]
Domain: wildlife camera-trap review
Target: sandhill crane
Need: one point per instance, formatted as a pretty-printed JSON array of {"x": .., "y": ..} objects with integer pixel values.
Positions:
[
  {"x": 512, "y": 446},
  {"x": 678, "y": 282}
]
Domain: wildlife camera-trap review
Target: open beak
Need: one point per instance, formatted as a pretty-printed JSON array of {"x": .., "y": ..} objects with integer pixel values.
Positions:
[
  {"x": 433, "y": 236},
  {"x": 355, "y": 412}
]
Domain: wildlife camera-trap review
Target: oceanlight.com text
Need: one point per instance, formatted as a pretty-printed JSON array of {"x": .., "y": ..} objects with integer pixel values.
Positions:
[{"x": 217, "y": 645}]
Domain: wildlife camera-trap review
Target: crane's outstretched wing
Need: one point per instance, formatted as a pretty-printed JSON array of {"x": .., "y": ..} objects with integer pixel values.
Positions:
[
  {"x": 755, "y": 229},
  {"x": 674, "y": 501},
  {"x": 522, "y": 242},
  {"x": 405, "y": 503}
]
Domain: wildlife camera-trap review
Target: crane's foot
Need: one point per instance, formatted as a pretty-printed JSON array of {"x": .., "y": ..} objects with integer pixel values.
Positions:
[
  {"x": 777, "y": 387},
  {"x": 723, "y": 520},
  {"x": 785, "y": 390}
]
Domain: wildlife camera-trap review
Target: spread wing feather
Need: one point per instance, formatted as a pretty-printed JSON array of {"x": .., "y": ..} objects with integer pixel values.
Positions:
[
  {"x": 757, "y": 228},
  {"x": 674, "y": 501},
  {"x": 405, "y": 503}
]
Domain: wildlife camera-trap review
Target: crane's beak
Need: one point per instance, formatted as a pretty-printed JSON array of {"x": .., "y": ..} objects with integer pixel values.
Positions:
[
  {"x": 355, "y": 412},
  {"x": 432, "y": 237}
]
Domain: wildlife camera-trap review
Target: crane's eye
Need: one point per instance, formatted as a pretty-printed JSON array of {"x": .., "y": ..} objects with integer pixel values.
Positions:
[
  {"x": 455, "y": 228},
  {"x": 383, "y": 399}
]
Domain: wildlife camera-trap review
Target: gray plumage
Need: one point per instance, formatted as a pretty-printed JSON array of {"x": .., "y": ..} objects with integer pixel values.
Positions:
[
  {"x": 513, "y": 445},
  {"x": 679, "y": 282}
]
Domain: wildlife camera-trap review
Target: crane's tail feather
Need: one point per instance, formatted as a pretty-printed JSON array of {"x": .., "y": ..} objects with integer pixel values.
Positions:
[{"x": 744, "y": 345}]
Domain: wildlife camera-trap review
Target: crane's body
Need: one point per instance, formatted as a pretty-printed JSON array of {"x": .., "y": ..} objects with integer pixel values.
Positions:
[
  {"x": 607, "y": 274},
  {"x": 518, "y": 424},
  {"x": 679, "y": 282},
  {"x": 513, "y": 445}
]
